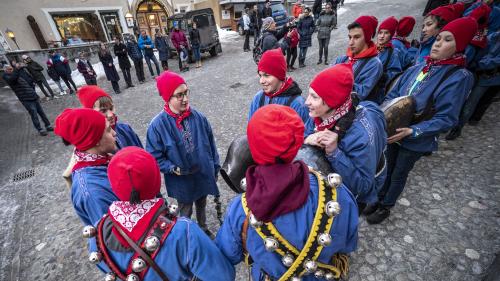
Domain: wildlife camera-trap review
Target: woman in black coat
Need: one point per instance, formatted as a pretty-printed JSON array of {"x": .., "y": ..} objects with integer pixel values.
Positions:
[
  {"x": 306, "y": 27},
  {"x": 120, "y": 50},
  {"x": 109, "y": 68}
]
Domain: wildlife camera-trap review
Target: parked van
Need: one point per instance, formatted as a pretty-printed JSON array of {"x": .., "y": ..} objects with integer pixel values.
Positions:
[{"x": 205, "y": 22}]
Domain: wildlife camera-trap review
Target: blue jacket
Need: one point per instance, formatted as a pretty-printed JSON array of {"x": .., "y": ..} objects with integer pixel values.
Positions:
[
  {"x": 134, "y": 51},
  {"x": 295, "y": 227},
  {"x": 298, "y": 105},
  {"x": 306, "y": 28},
  {"x": 392, "y": 69},
  {"x": 187, "y": 251},
  {"x": 423, "y": 51},
  {"x": 125, "y": 136},
  {"x": 195, "y": 154},
  {"x": 405, "y": 55},
  {"x": 367, "y": 78},
  {"x": 91, "y": 193},
  {"x": 494, "y": 19},
  {"x": 148, "y": 52},
  {"x": 448, "y": 100},
  {"x": 359, "y": 151}
]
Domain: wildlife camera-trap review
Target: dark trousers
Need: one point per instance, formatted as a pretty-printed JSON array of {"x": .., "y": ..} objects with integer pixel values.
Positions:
[
  {"x": 43, "y": 84},
  {"x": 302, "y": 55},
  {"x": 91, "y": 81},
  {"x": 127, "y": 76},
  {"x": 69, "y": 81},
  {"x": 164, "y": 64},
  {"x": 116, "y": 86},
  {"x": 34, "y": 108},
  {"x": 323, "y": 48},
  {"x": 400, "y": 162},
  {"x": 256, "y": 35},
  {"x": 485, "y": 102},
  {"x": 291, "y": 56},
  {"x": 139, "y": 69},
  {"x": 155, "y": 61},
  {"x": 186, "y": 210},
  {"x": 246, "y": 44}
]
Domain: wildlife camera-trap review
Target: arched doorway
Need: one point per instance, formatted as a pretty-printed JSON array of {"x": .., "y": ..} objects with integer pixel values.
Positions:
[{"x": 151, "y": 15}]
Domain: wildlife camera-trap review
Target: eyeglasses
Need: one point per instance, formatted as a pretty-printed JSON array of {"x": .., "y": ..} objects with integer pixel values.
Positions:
[{"x": 181, "y": 95}]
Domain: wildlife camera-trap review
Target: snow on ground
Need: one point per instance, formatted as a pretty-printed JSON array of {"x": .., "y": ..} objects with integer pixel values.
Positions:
[{"x": 227, "y": 35}]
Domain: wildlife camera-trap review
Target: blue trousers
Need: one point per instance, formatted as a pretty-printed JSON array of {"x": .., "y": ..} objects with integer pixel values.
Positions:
[
  {"x": 196, "y": 52},
  {"x": 155, "y": 61},
  {"x": 400, "y": 162},
  {"x": 302, "y": 54}
]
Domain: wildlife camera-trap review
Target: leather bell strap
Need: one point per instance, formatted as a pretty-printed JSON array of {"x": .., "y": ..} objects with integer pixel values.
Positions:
[{"x": 141, "y": 252}]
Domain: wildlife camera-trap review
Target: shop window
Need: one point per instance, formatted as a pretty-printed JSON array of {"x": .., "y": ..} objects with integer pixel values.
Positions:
[{"x": 76, "y": 28}]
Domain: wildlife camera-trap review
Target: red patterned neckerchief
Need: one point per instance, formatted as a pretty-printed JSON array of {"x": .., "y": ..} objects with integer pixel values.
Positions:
[
  {"x": 480, "y": 39},
  {"x": 456, "y": 59},
  {"x": 85, "y": 159},
  {"x": 381, "y": 48},
  {"x": 286, "y": 84},
  {"x": 368, "y": 53},
  {"x": 403, "y": 40},
  {"x": 338, "y": 113},
  {"x": 178, "y": 117},
  {"x": 133, "y": 219}
]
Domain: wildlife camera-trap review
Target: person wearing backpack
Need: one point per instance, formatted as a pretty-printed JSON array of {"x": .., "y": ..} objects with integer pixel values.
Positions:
[
  {"x": 439, "y": 86},
  {"x": 277, "y": 88},
  {"x": 388, "y": 55},
  {"x": 363, "y": 54}
]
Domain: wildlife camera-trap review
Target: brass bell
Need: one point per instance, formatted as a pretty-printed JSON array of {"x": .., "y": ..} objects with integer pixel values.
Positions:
[
  {"x": 332, "y": 208},
  {"x": 319, "y": 274},
  {"x": 287, "y": 260},
  {"x": 329, "y": 276},
  {"x": 310, "y": 266},
  {"x": 132, "y": 277},
  {"x": 110, "y": 277},
  {"x": 254, "y": 222},
  {"x": 243, "y": 183},
  {"x": 89, "y": 231},
  {"x": 334, "y": 180},
  {"x": 151, "y": 243},
  {"x": 172, "y": 209},
  {"x": 296, "y": 278},
  {"x": 138, "y": 265},
  {"x": 271, "y": 244},
  {"x": 324, "y": 239},
  {"x": 95, "y": 257}
]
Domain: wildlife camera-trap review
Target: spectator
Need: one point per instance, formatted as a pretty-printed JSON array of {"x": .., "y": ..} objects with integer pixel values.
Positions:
[
  {"x": 194, "y": 37},
  {"x": 120, "y": 51},
  {"x": 246, "y": 29},
  {"x": 57, "y": 79},
  {"x": 135, "y": 53},
  {"x": 325, "y": 23},
  {"x": 184, "y": 55},
  {"x": 178, "y": 38},
  {"x": 35, "y": 70},
  {"x": 306, "y": 29},
  {"x": 161, "y": 43},
  {"x": 147, "y": 47},
  {"x": 297, "y": 9},
  {"x": 61, "y": 66},
  {"x": 267, "y": 11},
  {"x": 271, "y": 37},
  {"x": 293, "y": 38},
  {"x": 254, "y": 23},
  {"x": 28, "y": 97},
  {"x": 86, "y": 69},
  {"x": 109, "y": 67}
]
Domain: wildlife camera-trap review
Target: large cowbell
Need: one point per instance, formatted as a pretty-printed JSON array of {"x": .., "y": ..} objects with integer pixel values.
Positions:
[
  {"x": 239, "y": 158},
  {"x": 399, "y": 113}
]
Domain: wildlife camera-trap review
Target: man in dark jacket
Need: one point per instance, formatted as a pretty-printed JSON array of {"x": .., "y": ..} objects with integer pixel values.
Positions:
[
  {"x": 61, "y": 66},
  {"x": 121, "y": 52},
  {"x": 35, "y": 69},
  {"x": 306, "y": 27},
  {"x": 161, "y": 43},
  {"x": 135, "y": 53},
  {"x": 267, "y": 11},
  {"x": 325, "y": 23},
  {"x": 255, "y": 23},
  {"x": 28, "y": 97},
  {"x": 270, "y": 36}
]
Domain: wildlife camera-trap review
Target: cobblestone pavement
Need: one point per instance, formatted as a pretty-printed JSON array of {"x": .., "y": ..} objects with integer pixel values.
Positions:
[{"x": 445, "y": 226}]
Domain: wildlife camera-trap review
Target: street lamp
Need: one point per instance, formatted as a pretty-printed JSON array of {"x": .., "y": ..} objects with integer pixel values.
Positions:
[{"x": 12, "y": 36}]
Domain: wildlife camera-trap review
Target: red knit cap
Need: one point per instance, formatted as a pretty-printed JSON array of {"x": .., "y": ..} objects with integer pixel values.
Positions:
[
  {"x": 275, "y": 132},
  {"x": 369, "y": 25},
  {"x": 134, "y": 168},
  {"x": 82, "y": 127},
  {"x": 88, "y": 95},
  {"x": 481, "y": 14},
  {"x": 463, "y": 30},
  {"x": 273, "y": 62},
  {"x": 446, "y": 13},
  {"x": 334, "y": 84},
  {"x": 459, "y": 9},
  {"x": 167, "y": 82},
  {"x": 391, "y": 24},
  {"x": 405, "y": 26}
]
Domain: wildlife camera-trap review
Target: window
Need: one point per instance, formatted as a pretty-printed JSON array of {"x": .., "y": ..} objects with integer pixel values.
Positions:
[
  {"x": 201, "y": 21},
  {"x": 183, "y": 9},
  {"x": 77, "y": 27}
]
